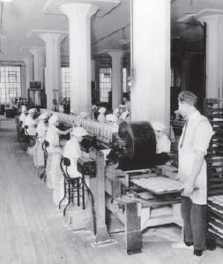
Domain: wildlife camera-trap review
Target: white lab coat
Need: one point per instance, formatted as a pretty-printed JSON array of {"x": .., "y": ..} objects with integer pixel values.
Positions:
[{"x": 197, "y": 138}]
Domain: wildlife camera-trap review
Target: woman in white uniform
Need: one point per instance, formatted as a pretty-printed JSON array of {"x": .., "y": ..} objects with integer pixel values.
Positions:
[
  {"x": 72, "y": 150},
  {"x": 53, "y": 172},
  {"x": 163, "y": 143},
  {"x": 21, "y": 124},
  {"x": 101, "y": 116},
  {"x": 31, "y": 122},
  {"x": 23, "y": 116},
  {"x": 40, "y": 133}
]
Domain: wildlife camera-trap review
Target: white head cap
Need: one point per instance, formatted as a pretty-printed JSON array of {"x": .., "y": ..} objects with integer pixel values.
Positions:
[
  {"x": 94, "y": 107},
  {"x": 32, "y": 110},
  {"x": 116, "y": 111},
  {"x": 102, "y": 110},
  {"x": 78, "y": 132},
  {"x": 24, "y": 109},
  {"x": 158, "y": 126},
  {"x": 84, "y": 114},
  {"x": 121, "y": 106},
  {"x": 72, "y": 111},
  {"x": 125, "y": 114},
  {"x": 53, "y": 119},
  {"x": 43, "y": 116},
  {"x": 111, "y": 118}
]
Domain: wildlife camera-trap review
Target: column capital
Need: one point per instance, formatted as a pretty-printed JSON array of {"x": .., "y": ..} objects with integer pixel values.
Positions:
[
  {"x": 115, "y": 53},
  {"x": 37, "y": 51},
  {"x": 210, "y": 16},
  {"x": 56, "y": 37},
  {"x": 75, "y": 10},
  {"x": 104, "y": 6},
  {"x": 26, "y": 60},
  {"x": 38, "y": 63}
]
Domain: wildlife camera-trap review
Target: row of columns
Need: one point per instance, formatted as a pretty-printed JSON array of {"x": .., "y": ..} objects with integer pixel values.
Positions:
[
  {"x": 79, "y": 16},
  {"x": 150, "y": 92}
]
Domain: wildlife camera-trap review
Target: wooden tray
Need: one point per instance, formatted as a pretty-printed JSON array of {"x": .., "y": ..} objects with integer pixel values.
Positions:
[{"x": 159, "y": 185}]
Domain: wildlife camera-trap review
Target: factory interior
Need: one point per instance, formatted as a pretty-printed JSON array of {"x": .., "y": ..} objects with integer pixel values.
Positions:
[{"x": 87, "y": 90}]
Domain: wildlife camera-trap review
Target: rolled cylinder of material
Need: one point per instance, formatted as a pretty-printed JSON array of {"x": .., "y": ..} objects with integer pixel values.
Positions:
[{"x": 140, "y": 143}]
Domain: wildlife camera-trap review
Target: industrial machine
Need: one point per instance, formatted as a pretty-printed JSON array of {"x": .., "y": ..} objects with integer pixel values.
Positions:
[
  {"x": 137, "y": 191},
  {"x": 129, "y": 184}
]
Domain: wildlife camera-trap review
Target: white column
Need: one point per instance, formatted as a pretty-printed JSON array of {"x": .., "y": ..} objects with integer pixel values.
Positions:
[
  {"x": 38, "y": 63},
  {"x": 80, "y": 55},
  {"x": 150, "y": 92},
  {"x": 214, "y": 51},
  {"x": 53, "y": 61},
  {"x": 116, "y": 79},
  {"x": 29, "y": 75},
  {"x": 220, "y": 70},
  {"x": 212, "y": 57}
]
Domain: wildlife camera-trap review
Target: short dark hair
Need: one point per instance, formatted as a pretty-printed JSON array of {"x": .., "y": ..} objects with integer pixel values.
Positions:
[{"x": 187, "y": 97}]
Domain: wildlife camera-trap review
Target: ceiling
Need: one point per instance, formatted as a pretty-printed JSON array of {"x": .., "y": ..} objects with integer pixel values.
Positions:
[{"x": 22, "y": 20}]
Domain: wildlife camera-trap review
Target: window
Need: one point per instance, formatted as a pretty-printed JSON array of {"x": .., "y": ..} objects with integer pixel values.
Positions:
[
  {"x": 175, "y": 71},
  {"x": 175, "y": 77},
  {"x": 124, "y": 79},
  {"x": 10, "y": 83},
  {"x": 65, "y": 81},
  {"x": 12, "y": 76},
  {"x": 104, "y": 84}
]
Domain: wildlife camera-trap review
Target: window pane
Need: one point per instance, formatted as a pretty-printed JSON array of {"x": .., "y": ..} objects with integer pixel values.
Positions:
[
  {"x": 10, "y": 83},
  {"x": 65, "y": 82},
  {"x": 124, "y": 79},
  {"x": 104, "y": 83}
]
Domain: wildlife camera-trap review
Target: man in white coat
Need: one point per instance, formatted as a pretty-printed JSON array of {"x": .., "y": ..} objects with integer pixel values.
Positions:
[{"x": 192, "y": 170}]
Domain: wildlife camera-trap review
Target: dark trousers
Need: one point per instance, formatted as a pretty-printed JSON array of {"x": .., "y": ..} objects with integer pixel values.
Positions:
[{"x": 194, "y": 218}]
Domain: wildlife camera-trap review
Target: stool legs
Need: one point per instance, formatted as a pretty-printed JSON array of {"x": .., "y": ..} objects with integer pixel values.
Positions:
[
  {"x": 69, "y": 199},
  {"x": 83, "y": 191},
  {"x": 78, "y": 191},
  {"x": 65, "y": 193},
  {"x": 69, "y": 191}
]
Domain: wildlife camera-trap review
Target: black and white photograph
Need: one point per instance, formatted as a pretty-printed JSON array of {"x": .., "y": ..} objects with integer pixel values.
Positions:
[{"x": 111, "y": 131}]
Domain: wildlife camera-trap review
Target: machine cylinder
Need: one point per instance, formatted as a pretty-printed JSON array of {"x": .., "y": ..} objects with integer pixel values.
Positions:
[{"x": 140, "y": 143}]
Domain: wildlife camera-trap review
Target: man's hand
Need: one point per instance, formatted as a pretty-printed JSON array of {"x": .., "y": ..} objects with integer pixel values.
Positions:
[{"x": 188, "y": 188}]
